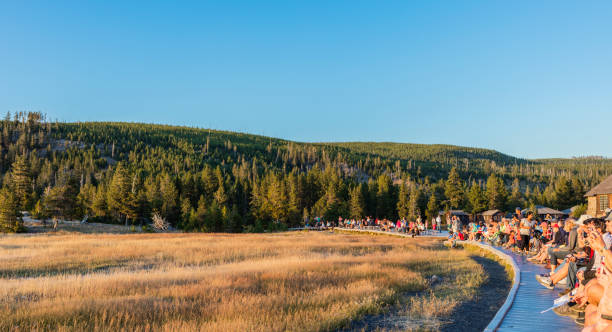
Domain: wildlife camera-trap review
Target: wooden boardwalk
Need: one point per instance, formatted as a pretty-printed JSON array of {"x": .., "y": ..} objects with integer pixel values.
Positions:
[{"x": 530, "y": 300}]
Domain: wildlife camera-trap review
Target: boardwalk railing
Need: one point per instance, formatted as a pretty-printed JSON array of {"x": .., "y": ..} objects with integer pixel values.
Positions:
[{"x": 501, "y": 313}]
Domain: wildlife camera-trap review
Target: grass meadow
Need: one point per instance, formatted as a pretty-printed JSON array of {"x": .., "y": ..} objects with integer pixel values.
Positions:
[{"x": 297, "y": 281}]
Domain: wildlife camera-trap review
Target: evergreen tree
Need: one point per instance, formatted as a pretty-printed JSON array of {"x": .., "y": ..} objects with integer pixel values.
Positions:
[
  {"x": 69, "y": 184},
  {"x": 209, "y": 182},
  {"x": 277, "y": 200},
  {"x": 294, "y": 203},
  {"x": 454, "y": 189},
  {"x": 214, "y": 218},
  {"x": 578, "y": 190},
  {"x": 549, "y": 196},
  {"x": 528, "y": 196},
  {"x": 143, "y": 208},
  {"x": 169, "y": 196},
  {"x": 53, "y": 198},
  {"x": 21, "y": 182},
  {"x": 185, "y": 209},
  {"x": 371, "y": 197},
  {"x": 579, "y": 210},
  {"x": 516, "y": 197},
  {"x": 10, "y": 217},
  {"x": 416, "y": 196},
  {"x": 153, "y": 195},
  {"x": 403, "y": 202},
  {"x": 477, "y": 198},
  {"x": 496, "y": 193},
  {"x": 40, "y": 212},
  {"x": 119, "y": 192},
  {"x": 537, "y": 197},
  {"x": 98, "y": 205},
  {"x": 235, "y": 220},
  {"x": 221, "y": 196},
  {"x": 357, "y": 202},
  {"x": 197, "y": 222},
  {"x": 564, "y": 194},
  {"x": 384, "y": 197},
  {"x": 432, "y": 207}
]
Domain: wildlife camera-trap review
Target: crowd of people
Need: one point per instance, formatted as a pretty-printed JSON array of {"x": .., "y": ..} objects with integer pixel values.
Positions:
[
  {"x": 413, "y": 227},
  {"x": 574, "y": 251}
]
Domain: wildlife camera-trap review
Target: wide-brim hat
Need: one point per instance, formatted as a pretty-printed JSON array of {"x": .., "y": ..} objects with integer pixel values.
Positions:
[{"x": 582, "y": 219}]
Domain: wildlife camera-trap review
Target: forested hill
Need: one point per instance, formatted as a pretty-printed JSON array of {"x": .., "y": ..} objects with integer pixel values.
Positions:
[
  {"x": 428, "y": 152},
  {"x": 207, "y": 180},
  {"x": 435, "y": 160}
]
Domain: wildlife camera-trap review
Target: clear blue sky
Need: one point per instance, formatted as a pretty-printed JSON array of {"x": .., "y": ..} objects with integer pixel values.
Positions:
[{"x": 527, "y": 78}]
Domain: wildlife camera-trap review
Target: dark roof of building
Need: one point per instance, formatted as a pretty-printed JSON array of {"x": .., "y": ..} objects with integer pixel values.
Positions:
[
  {"x": 605, "y": 187},
  {"x": 490, "y": 212},
  {"x": 544, "y": 210}
]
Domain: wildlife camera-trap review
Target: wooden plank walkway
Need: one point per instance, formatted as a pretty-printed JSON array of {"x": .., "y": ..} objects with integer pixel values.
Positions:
[{"x": 530, "y": 300}]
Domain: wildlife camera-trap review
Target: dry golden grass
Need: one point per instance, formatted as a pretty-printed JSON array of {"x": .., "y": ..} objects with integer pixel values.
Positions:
[{"x": 305, "y": 281}]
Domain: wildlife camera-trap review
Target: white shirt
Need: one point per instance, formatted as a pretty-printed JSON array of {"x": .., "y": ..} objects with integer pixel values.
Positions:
[
  {"x": 525, "y": 223},
  {"x": 598, "y": 258}
]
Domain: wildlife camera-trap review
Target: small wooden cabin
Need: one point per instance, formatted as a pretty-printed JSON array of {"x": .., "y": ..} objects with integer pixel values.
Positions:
[
  {"x": 599, "y": 198},
  {"x": 490, "y": 215}
]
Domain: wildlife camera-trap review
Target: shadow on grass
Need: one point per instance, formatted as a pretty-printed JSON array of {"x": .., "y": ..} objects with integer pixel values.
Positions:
[
  {"x": 476, "y": 314},
  {"x": 473, "y": 315}
]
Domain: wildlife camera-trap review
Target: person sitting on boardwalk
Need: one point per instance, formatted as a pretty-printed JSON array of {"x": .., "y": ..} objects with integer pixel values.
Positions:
[
  {"x": 557, "y": 240},
  {"x": 557, "y": 254},
  {"x": 547, "y": 231},
  {"x": 592, "y": 293},
  {"x": 569, "y": 264},
  {"x": 504, "y": 232},
  {"x": 493, "y": 234},
  {"x": 589, "y": 289},
  {"x": 511, "y": 244},
  {"x": 601, "y": 319}
]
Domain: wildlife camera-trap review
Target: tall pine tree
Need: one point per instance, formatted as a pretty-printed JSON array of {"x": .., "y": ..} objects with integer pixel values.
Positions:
[
  {"x": 357, "y": 202},
  {"x": 477, "y": 199},
  {"x": 403, "y": 201},
  {"x": 454, "y": 189},
  {"x": 497, "y": 194},
  {"x": 10, "y": 218},
  {"x": 21, "y": 182}
]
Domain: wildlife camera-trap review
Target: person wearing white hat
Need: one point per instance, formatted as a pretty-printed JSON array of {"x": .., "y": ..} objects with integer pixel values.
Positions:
[{"x": 582, "y": 218}]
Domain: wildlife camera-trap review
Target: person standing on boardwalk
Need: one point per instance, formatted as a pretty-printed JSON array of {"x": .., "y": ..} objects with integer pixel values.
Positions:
[
  {"x": 525, "y": 231},
  {"x": 438, "y": 222}
]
